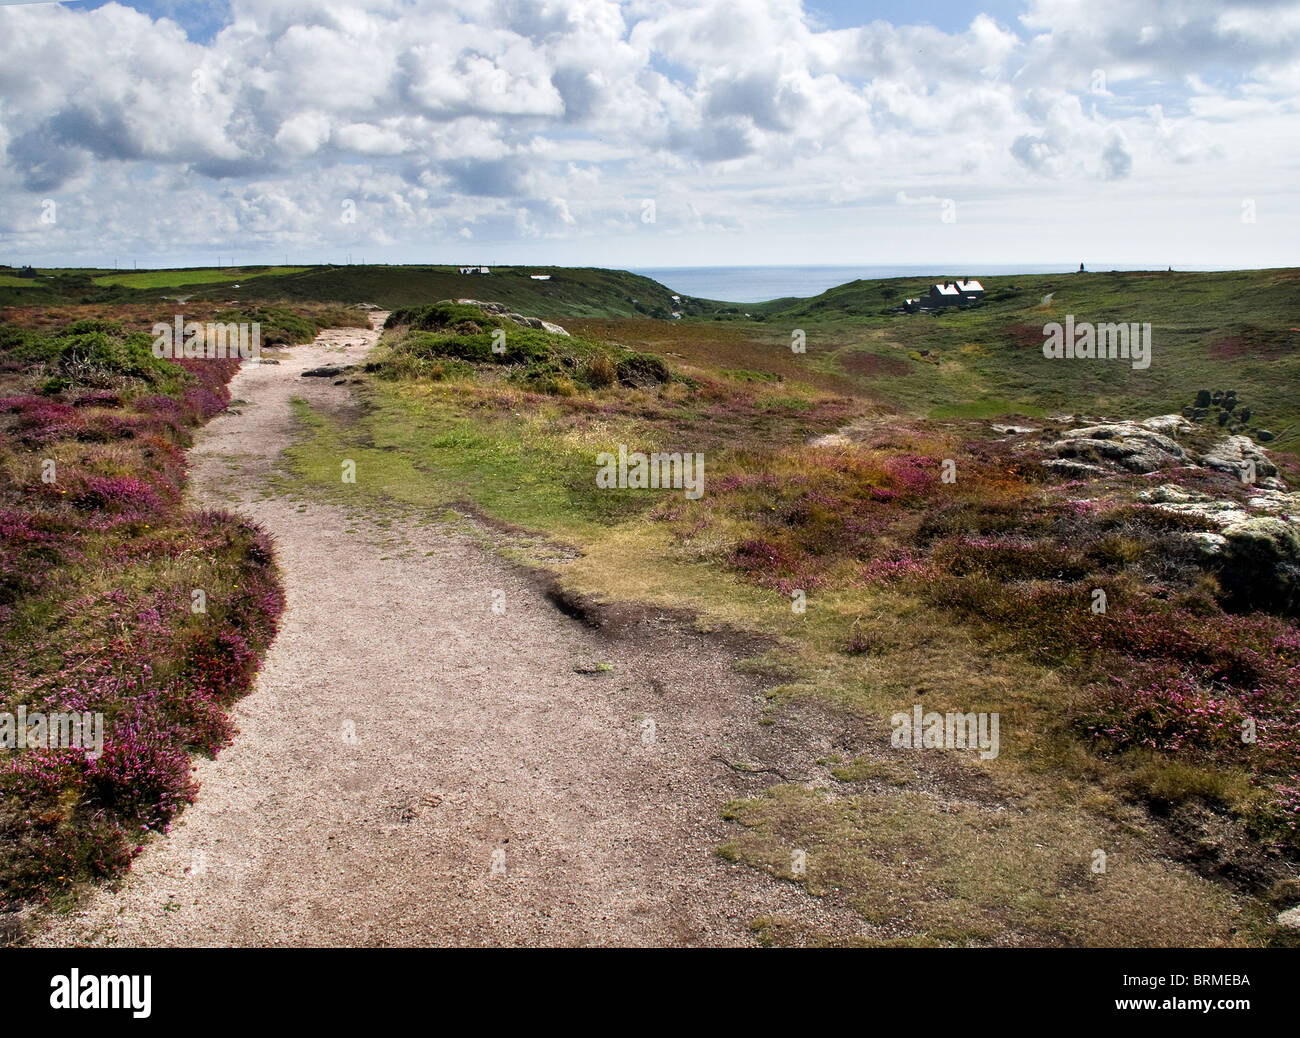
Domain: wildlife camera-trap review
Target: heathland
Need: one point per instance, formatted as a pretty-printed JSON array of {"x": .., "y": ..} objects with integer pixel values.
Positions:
[{"x": 898, "y": 509}]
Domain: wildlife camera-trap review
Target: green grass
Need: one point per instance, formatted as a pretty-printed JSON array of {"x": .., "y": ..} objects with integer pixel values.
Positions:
[
  {"x": 182, "y": 278},
  {"x": 416, "y": 450},
  {"x": 970, "y": 873},
  {"x": 988, "y": 407}
]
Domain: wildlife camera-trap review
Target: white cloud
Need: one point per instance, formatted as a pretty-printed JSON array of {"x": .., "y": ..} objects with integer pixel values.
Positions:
[{"x": 545, "y": 119}]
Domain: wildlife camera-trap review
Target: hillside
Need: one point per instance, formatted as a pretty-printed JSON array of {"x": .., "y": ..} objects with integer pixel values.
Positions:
[
  {"x": 1213, "y": 330},
  {"x": 1210, "y": 330},
  {"x": 570, "y": 292}
]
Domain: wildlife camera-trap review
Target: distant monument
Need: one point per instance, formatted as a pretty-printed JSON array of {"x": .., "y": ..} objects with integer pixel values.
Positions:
[{"x": 1081, "y": 270}]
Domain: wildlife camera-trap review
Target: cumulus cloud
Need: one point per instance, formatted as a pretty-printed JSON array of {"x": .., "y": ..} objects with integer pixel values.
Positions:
[{"x": 553, "y": 119}]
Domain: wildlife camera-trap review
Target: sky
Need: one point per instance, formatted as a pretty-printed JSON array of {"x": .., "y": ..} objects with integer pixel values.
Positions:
[{"x": 651, "y": 133}]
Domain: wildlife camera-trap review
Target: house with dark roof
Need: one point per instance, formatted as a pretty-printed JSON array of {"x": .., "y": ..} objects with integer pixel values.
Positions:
[{"x": 949, "y": 293}]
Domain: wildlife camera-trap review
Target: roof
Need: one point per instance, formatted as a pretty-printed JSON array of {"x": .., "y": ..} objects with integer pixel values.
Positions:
[
  {"x": 970, "y": 286},
  {"x": 946, "y": 290}
]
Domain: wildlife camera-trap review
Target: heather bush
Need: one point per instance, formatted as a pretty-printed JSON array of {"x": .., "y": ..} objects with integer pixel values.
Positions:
[{"x": 92, "y": 618}]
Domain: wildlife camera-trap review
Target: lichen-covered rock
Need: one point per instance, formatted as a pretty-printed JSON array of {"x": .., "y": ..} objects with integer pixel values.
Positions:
[
  {"x": 1249, "y": 536},
  {"x": 500, "y": 310},
  {"x": 1236, "y": 454},
  {"x": 1169, "y": 424},
  {"x": 1209, "y": 545},
  {"x": 1215, "y": 511},
  {"x": 1260, "y": 565},
  {"x": 1130, "y": 445},
  {"x": 1256, "y": 556},
  {"x": 1017, "y": 430}
]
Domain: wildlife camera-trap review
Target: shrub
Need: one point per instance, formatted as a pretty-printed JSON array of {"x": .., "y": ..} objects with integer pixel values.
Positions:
[
  {"x": 600, "y": 372},
  {"x": 143, "y": 776},
  {"x": 439, "y": 317},
  {"x": 643, "y": 369}
]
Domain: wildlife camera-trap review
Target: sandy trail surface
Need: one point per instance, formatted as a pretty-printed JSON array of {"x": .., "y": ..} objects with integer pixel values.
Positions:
[{"x": 414, "y": 768}]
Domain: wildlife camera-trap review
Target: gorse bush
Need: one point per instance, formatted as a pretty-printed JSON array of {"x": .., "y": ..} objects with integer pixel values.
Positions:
[
  {"x": 441, "y": 316},
  {"x": 89, "y": 352},
  {"x": 601, "y": 372},
  {"x": 643, "y": 369},
  {"x": 458, "y": 340}
]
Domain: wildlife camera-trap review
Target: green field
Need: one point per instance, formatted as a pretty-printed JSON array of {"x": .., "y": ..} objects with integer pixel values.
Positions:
[{"x": 184, "y": 278}]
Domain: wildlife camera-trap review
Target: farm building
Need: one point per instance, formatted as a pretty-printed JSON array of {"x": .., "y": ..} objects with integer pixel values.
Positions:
[{"x": 475, "y": 270}]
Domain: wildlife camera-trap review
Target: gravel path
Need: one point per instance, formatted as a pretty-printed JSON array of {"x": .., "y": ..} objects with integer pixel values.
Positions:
[{"x": 414, "y": 768}]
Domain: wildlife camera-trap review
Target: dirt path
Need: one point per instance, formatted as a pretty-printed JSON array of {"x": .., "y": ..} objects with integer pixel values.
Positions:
[{"x": 414, "y": 768}]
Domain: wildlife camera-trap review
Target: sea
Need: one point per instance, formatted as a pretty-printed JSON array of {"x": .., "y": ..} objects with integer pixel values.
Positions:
[{"x": 759, "y": 284}]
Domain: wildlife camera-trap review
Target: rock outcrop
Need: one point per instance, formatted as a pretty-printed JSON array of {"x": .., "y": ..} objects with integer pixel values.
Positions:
[
  {"x": 1251, "y": 530},
  {"x": 1241, "y": 457},
  {"x": 1135, "y": 446}
]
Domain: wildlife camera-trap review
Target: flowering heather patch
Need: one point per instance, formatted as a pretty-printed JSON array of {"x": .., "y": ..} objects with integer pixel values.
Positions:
[
  {"x": 38, "y": 421},
  {"x": 162, "y": 675},
  {"x": 895, "y": 566},
  {"x": 101, "y": 398},
  {"x": 773, "y": 565},
  {"x": 1284, "y": 811},
  {"x": 1165, "y": 668},
  {"x": 143, "y": 774},
  {"x": 825, "y": 512},
  {"x": 1162, "y": 709},
  {"x": 910, "y": 475},
  {"x": 118, "y": 494}
]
